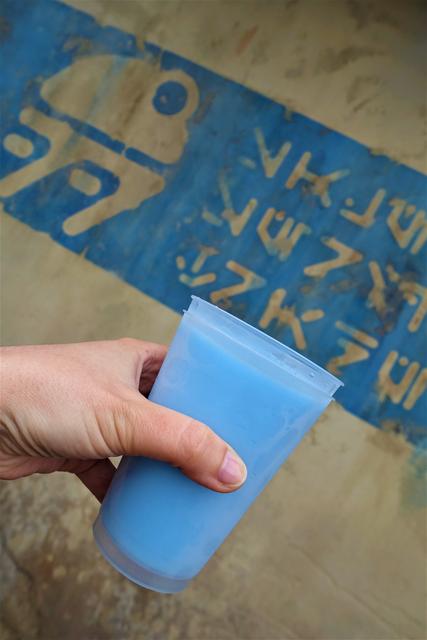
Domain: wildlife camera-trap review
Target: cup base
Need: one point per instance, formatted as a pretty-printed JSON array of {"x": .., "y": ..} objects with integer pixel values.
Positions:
[{"x": 132, "y": 570}]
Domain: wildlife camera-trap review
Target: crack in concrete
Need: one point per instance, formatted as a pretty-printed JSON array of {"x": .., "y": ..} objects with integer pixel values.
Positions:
[
  {"x": 31, "y": 581},
  {"x": 395, "y": 607},
  {"x": 339, "y": 587}
]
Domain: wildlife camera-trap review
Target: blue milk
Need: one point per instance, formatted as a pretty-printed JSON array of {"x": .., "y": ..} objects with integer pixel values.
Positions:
[{"x": 157, "y": 526}]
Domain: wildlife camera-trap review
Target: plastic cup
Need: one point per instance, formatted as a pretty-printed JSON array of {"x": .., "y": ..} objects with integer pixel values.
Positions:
[{"x": 158, "y": 527}]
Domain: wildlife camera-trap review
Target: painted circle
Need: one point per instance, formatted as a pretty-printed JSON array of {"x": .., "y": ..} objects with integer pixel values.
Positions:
[{"x": 170, "y": 98}]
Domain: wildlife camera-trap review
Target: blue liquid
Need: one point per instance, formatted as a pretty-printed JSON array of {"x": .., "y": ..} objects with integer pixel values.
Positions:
[{"x": 166, "y": 522}]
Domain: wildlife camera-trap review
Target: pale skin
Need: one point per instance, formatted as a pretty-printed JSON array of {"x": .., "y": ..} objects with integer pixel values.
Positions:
[{"x": 72, "y": 407}]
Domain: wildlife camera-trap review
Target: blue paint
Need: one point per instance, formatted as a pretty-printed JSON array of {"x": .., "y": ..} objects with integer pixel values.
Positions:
[
  {"x": 170, "y": 98},
  {"x": 179, "y": 524},
  {"x": 156, "y": 245}
]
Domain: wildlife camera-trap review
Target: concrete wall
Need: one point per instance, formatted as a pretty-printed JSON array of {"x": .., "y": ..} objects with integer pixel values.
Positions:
[{"x": 335, "y": 548}]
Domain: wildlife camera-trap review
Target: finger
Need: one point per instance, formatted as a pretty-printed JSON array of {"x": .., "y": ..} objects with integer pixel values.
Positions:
[
  {"x": 151, "y": 430},
  {"x": 151, "y": 366},
  {"x": 97, "y": 476},
  {"x": 150, "y": 356},
  {"x": 14, "y": 467}
]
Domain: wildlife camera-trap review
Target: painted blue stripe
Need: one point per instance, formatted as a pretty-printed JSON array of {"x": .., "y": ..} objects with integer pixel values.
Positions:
[{"x": 233, "y": 208}]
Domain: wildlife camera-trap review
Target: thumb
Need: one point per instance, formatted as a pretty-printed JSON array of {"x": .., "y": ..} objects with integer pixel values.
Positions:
[{"x": 148, "y": 429}]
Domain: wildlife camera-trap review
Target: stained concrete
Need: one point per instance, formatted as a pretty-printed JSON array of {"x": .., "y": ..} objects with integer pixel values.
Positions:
[{"x": 335, "y": 548}]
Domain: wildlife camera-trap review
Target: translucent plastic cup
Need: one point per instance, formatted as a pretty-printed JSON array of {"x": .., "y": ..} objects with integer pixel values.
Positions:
[{"x": 158, "y": 527}]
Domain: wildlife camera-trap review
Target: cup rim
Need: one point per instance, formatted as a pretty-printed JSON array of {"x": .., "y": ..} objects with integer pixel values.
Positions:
[{"x": 264, "y": 345}]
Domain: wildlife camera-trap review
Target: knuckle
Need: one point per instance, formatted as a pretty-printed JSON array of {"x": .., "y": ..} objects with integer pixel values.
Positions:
[
  {"x": 194, "y": 442},
  {"x": 127, "y": 341},
  {"x": 121, "y": 428}
]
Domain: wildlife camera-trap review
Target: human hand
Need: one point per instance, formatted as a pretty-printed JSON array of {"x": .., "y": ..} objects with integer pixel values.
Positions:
[{"x": 71, "y": 407}]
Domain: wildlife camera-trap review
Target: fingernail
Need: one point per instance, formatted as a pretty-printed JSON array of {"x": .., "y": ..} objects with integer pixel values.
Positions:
[{"x": 233, "y": 470}]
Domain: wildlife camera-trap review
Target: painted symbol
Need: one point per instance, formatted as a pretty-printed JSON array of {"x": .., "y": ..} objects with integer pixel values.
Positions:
[{"x": 132, "y": 102}]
